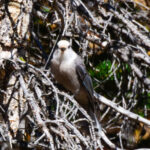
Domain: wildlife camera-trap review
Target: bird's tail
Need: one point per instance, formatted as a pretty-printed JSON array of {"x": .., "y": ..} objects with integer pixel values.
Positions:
[{"x": 100, "y": 132}]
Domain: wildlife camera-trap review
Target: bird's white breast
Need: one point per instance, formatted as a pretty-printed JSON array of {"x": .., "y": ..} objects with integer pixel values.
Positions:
[
  {"x": 64, "y": 70},
  {"x": 63, "y": 67},
  {"x": 68, "y": 60}
]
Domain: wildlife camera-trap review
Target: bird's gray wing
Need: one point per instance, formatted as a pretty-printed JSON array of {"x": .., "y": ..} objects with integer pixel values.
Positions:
[{"x": 84, "y": 78}]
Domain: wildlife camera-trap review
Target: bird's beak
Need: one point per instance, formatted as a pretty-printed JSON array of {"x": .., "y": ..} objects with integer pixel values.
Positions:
[{"x": 62, "y": 49}]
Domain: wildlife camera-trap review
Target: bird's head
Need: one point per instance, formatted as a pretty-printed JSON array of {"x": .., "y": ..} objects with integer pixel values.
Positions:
[{"x": 63, "y": 45}]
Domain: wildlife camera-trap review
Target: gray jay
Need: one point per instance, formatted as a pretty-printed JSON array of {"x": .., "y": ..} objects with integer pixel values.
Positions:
[{"x": 69, "y": 70}]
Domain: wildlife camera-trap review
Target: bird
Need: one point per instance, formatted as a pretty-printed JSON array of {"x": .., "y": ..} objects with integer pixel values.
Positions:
[{"x": 69, "y": 70}]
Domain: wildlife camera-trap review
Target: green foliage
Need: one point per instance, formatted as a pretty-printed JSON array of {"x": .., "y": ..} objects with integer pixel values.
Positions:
[
  {"x": 45, "y": 9},
  {"x": 143, "y": 100},
  {"x": 22, "y": 59},
  {"x": 141, "y": 113},
  {"x": 101, "y": 71},
  {"x": 148, "y": 101}
]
